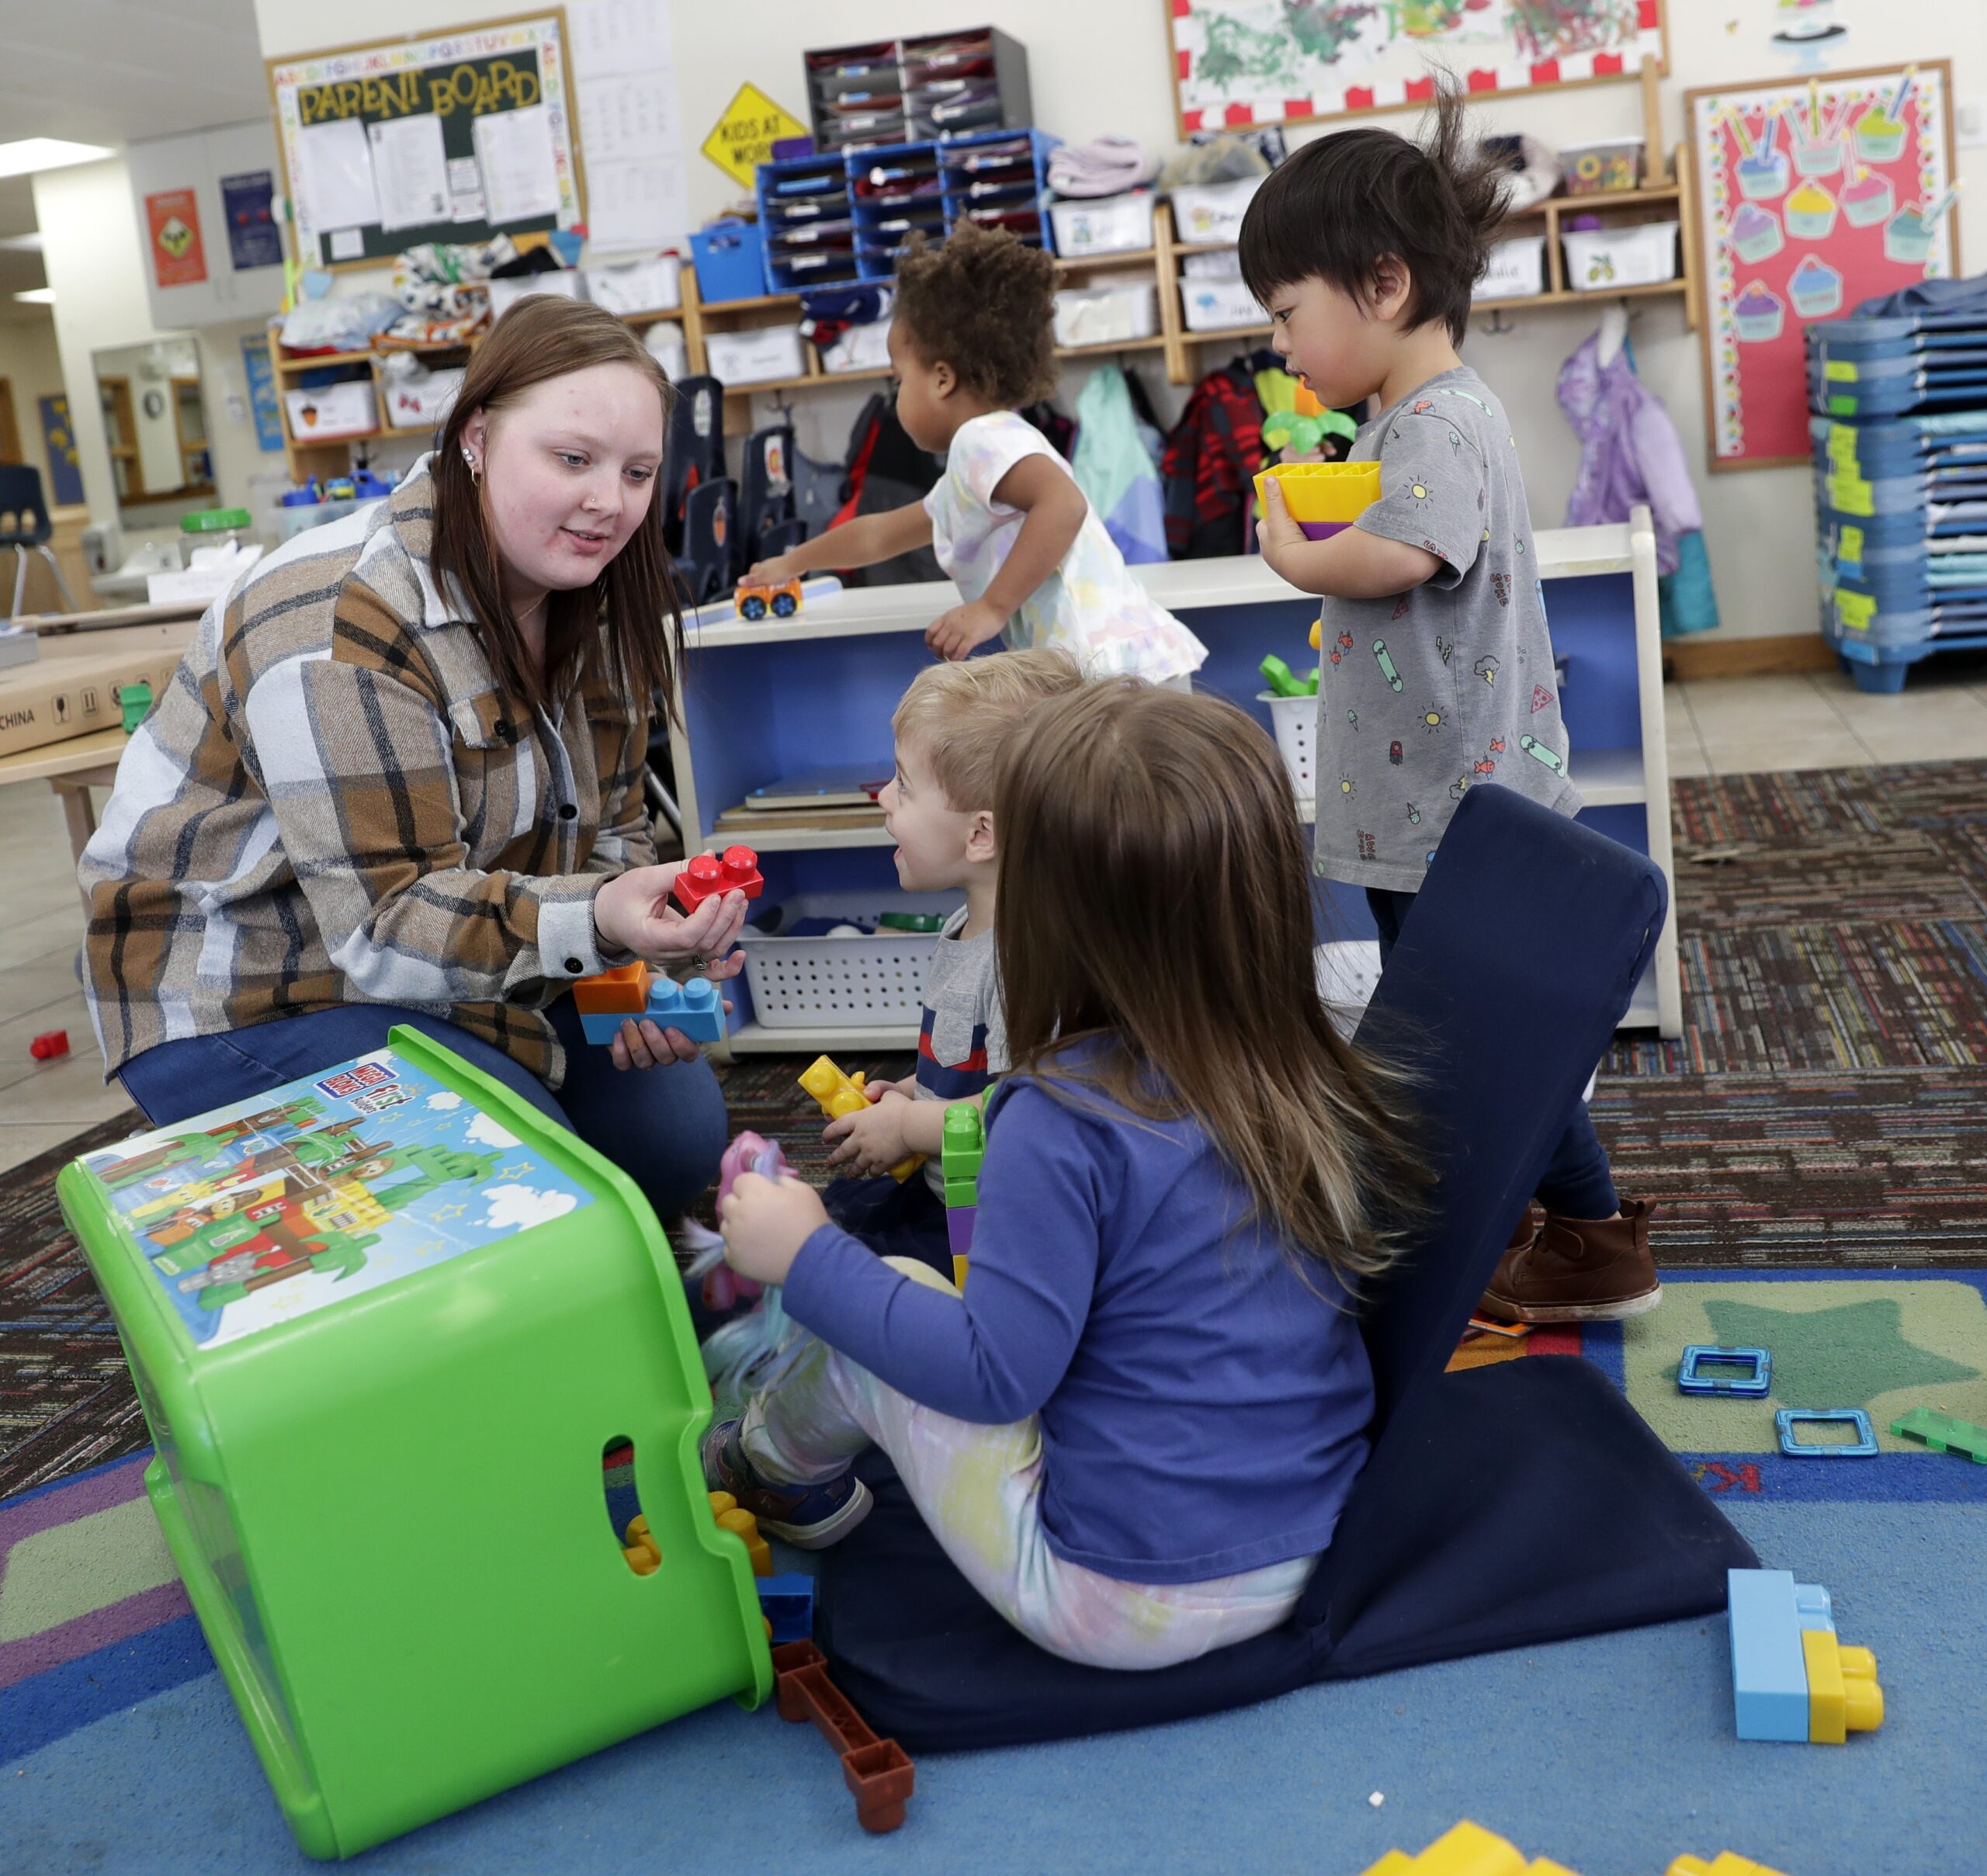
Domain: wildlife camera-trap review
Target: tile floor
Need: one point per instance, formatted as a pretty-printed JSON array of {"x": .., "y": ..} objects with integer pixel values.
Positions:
[
  {"x": 1739, "y": 725},
  {"x": 1728, "y": 726}
]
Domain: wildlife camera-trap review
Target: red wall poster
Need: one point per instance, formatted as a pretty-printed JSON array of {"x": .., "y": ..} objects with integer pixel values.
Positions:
[
  {"x": 178, "y": 257},
  {"x": 1813, "y": 195}
]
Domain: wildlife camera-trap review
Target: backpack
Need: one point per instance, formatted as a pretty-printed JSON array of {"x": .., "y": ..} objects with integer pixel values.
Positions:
[{"x": 1210, "y": 458}]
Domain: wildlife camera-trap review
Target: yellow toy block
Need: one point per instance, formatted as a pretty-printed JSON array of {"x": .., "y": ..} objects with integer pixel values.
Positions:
[
  {"x": 1322, "y": 498},
  {"x": 1843, "y": 1693},
  {"x": 1467, "y": 1850},
  {"x": 1726, "y": 1864},
  {"x": 745, "y": 1525},
  {"x": 839, "y": 1095}
]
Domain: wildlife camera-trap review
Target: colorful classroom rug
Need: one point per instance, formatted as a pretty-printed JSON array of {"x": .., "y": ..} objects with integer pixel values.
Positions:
[
  {"x": 119, "y": 1750},
  {"x": 1827, "y": 1105}
]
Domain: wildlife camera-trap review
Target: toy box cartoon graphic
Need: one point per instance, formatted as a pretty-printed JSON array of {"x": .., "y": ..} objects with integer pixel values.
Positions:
[{"x": 322, "y": 1190}]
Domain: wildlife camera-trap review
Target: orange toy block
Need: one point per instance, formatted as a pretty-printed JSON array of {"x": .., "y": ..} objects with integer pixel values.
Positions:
[{"x": 622, "y": 992}]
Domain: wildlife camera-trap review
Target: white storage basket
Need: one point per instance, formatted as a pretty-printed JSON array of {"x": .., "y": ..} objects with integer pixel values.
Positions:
[
  {"x": 842, "y": 983},
  {"x": 1517, "y": 269},
  {"x": 1296, "y": 721},
  {"x": 1213, "y": 213},
  {"x": 1107, "y": 315},
  {"x": 1215, "y": 306},
  {"x": 1106, "y": 225},
  {"x": 1601, "y": 259}
]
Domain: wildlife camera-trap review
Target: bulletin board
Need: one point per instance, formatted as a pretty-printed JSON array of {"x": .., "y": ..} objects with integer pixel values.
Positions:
[
  {"x": 1813, "y": 195},
  {"x": 450, "y": 136},
  {"x": 1236, "y": 63}
]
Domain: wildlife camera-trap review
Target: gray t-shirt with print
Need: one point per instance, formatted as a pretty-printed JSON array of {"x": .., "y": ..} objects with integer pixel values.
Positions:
[
  {"x": 962, "y": 1043},
  {"x": 1426, "y": 693}
]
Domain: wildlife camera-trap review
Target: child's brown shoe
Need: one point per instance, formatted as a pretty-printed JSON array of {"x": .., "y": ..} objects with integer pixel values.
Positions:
[{"x": 1577, "y": 1271}]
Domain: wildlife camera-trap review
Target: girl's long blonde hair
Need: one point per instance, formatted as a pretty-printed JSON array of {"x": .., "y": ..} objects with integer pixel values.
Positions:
[{"x": 1154, "y": 891}]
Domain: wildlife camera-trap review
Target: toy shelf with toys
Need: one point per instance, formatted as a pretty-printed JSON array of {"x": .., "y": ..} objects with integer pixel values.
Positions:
[{"x": 763, "y": 701}]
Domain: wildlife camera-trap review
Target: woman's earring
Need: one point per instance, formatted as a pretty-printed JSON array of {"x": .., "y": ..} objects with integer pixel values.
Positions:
[{"x": 469, "y": 457}]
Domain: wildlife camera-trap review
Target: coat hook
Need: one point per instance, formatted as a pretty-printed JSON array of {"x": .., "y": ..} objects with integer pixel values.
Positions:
[{"x": 1498, "y": 324}]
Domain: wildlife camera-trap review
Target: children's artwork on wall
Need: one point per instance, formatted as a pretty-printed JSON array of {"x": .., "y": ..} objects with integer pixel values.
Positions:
[
  {"x": 1242, "y": 62},
  {"x": 260, "y": 375},
  {"x": 1811, "y": 197},
  {"x": 65, "y": 468}
]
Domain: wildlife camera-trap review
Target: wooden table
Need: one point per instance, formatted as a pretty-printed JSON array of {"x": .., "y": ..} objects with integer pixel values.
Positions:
[{"x": 74, "y": 767}]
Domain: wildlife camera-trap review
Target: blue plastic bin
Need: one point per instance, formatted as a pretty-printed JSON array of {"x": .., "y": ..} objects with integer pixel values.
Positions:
[{"x": 730, "y": 257}]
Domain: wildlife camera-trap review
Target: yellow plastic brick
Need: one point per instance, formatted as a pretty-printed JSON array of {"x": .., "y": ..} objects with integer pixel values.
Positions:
[
  {"x": 1843, "y": 1693},
  {"x": 1467, "y": 1850},
  {"x": 1726, "y": 1864}
]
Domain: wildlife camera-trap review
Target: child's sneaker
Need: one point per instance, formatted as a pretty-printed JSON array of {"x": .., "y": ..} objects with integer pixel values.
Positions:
[
  {"x": 808, "y": 1516},
  {"x": 1577, "y": 1270}
]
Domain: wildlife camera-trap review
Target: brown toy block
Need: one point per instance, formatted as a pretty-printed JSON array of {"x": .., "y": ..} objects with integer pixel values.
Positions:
[{"x": 879, "y": 1772}]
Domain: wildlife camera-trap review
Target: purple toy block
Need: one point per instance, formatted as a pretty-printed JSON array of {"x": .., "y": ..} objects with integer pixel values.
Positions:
[{"x": 959, "y": 1229}]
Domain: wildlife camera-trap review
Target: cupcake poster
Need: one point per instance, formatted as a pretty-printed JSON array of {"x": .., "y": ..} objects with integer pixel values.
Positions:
[{"x": 1813, "y": 194}]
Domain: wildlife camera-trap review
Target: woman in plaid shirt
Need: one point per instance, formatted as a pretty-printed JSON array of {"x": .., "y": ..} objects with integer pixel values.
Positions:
[{"x": 398, "y": 777}]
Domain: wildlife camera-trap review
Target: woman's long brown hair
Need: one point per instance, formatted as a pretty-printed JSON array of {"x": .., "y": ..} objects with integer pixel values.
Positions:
[
  {"x": 634, "y": 600},
  {"x": 1154, "y": 891}
]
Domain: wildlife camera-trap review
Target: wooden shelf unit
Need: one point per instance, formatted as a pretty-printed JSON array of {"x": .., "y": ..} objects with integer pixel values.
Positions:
[{"x": 1662, "y": 189}]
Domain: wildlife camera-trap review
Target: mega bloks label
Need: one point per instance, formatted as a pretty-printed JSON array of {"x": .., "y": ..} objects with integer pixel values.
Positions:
[{"x": 322, "y": 1190}]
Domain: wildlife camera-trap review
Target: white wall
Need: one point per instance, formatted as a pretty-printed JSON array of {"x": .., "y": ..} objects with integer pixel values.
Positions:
[
  {"x": 93, "y": 251},
  {"x": 1105, "y": 66},
  {"x": 33, "y": 367}
]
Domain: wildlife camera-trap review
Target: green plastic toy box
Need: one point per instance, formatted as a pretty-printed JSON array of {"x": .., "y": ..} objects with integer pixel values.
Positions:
[{"x": 384, "y": 1323}]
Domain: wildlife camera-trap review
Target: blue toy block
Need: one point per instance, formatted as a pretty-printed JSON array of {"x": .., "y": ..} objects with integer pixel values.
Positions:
[
  {"x": 787, "y": 1603},
  {"x": 693, "y": 1007},
  {"x": 1690, "y": 1380},
  {"x": 1768, "y": 1611},
  {"x": 1864, "y": 1447}
]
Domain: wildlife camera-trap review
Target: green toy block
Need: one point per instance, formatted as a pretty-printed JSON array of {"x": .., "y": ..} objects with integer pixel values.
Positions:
[
  {"x": 962, "y": 1145},
  {"x": 383, "y": 1322},
  {"x": 962, "y": 1192},
  {"x": 1282, "y": 681},
  {"x": 1943, "y": 1433}
]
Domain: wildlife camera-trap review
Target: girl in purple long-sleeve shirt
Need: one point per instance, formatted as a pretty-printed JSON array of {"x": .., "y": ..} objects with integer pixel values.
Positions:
[{"x": 1135, "y": 1430}]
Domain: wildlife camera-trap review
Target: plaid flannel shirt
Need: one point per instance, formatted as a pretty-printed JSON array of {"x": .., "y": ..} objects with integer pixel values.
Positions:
[{"x": 331, "y": 803}]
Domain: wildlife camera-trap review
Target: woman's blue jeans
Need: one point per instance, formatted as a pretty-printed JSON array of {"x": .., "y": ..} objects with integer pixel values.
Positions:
[{"x": 665, "y": 1127}]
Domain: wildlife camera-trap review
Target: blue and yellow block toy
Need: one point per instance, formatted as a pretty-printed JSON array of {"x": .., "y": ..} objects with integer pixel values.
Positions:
[
  {"x": 634, "y": 993},
  {"x": 964, "y": 1146},
  {"x": 1791, "y": 1679}
]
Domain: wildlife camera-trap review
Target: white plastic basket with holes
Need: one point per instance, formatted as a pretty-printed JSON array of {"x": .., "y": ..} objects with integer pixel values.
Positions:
[
  {"x": 859, "y": 982},
  {"x": 1296, "y": 721}
]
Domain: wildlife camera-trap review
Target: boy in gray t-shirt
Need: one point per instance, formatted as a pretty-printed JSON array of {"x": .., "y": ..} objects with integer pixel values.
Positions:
[
  {"x": 1427, "y": 692},
  {"x": 1438, "y": 671}
]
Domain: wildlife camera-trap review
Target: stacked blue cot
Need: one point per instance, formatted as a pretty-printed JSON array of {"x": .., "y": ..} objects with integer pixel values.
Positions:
[{"x": 1899, "y": 438}]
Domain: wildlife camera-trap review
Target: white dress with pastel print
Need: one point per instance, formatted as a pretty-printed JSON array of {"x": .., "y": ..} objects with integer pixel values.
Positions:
[{"x": 1092, "y": 605}]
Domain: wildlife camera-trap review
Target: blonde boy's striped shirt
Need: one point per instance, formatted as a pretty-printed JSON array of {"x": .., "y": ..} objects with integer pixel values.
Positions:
[{"x": 331, "y": 803}]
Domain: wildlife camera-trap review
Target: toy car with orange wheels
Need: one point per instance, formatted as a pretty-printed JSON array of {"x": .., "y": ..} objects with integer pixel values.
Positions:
[{"x": 754, "y": 602}]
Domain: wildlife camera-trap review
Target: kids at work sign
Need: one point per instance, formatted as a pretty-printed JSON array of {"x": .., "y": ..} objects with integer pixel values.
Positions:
[
  {"x": 1813, "y": 196},
  {"x": 178, "y": 257},
  {"x": 745, "y": 135}
]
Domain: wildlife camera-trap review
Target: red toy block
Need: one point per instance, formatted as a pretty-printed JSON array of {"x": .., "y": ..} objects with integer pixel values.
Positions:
[
  {"x": 50, "y": 1044},
  {"x": 735, "y": 870},
  {"x": 878, "y": 1771}
]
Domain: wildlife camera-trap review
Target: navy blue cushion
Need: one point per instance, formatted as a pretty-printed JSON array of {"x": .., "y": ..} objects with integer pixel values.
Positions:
[{"x": 1521, "y": 1503}]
